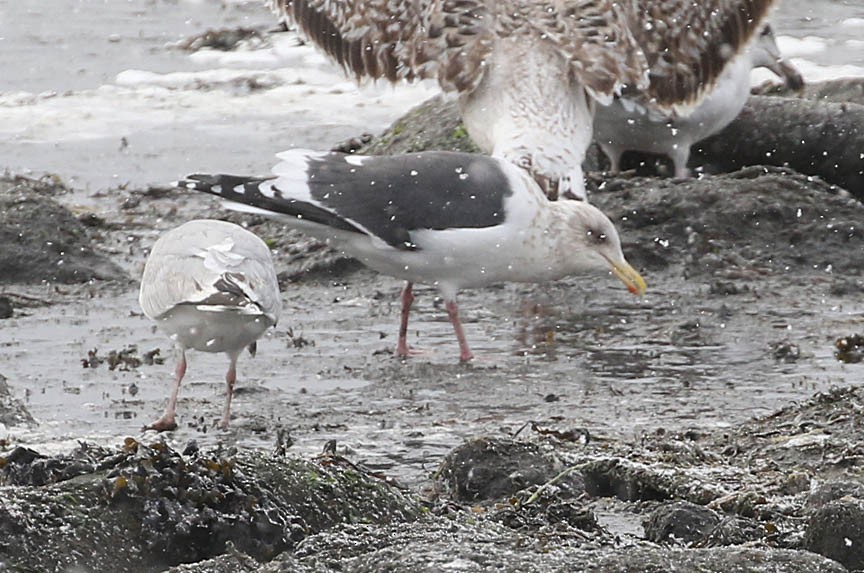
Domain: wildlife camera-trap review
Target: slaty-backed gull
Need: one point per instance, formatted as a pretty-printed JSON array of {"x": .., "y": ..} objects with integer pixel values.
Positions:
[
  {"x": 212, "y": 287},
  {"x": 625, "y": 125},
  {"x": 455, "y": 220},
  {"x": 529, "y": 73}
]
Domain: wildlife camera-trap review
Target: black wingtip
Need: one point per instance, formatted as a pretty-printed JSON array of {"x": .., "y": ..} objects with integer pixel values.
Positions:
[
  {"x": 228, "y": 186},
  {"x": 197, "y": 182}
]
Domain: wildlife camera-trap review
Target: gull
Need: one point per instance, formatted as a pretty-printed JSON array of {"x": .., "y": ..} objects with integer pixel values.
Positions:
[
  {"x": 625, "y": 125},
  {"x": 453, "y": 220},
  {"x": 211, "y": 286},
  {"x": 529, "y": 74}
]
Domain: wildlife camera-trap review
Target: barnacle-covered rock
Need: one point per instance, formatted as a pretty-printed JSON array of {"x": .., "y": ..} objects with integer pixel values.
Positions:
[{"x": 149, "y": 507}]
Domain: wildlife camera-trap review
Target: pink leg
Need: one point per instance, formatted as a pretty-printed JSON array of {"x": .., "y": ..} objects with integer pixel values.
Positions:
[
  {"x": 453, "y": 311},
  {"x": 230, "y": 379},
  {"x": 167, "y": 421},
  {"x": 407, "y": 300},
  {"x": 680, "y": 155}
]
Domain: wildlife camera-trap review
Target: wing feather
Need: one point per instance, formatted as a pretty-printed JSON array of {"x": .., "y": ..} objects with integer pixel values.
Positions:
[
  {"x": 688, "y": 44},
  {"x": 210, "y": 263},
  {"x": 682, "y": 46}
]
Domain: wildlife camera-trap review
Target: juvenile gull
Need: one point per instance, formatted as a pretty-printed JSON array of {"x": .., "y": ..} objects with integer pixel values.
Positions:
[
  {"x": 529, "y": 73},
  {"x": 455, "y": 220},
  {"x": 626, "y": 125},
  {"x": 212, "y": 287}
]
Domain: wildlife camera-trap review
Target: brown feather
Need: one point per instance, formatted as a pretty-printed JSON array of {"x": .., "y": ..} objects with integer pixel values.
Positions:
[
  {"x": 613, "y": 45},
  {"x": 686, "y": 48}
]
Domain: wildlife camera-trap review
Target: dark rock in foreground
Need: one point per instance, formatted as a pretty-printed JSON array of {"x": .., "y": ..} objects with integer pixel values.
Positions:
[
  {"x": 148, "y": 508},
  {"x": 836, "y": 530},
  {"x": 488, "y": 468},
  {"x": 145, "y": 508},
  {"x": 453, "y": 545},
  {"x": 681, "y": 522},
  {"x": 43, "y": 241}
]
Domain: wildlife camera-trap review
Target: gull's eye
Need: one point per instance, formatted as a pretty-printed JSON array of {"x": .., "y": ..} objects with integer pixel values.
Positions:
[{"x": 596, "y": 237}]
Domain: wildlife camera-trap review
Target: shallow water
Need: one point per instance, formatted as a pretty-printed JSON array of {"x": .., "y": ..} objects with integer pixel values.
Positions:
[{"x": 619, "y": 366}]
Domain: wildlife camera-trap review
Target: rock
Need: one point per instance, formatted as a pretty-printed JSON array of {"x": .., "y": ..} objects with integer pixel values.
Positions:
[
  {"x": 43, "y": 241},
  {"x": 680, "y": 522},
  {"x": 436, "y": 544},
  {"x": 496, "y": 468},
  {"x": 232, "y": 561},
  {"x": 734, "y": 531},
  {"x": 148, "y": 507},
  {"x": 836, "y": 530},
  {"x": 834, "y": 490},
  {"x": 629, "y": 481},
  {"x": 434, "y": 124},
  {"x": 715, "y": 560},
  {"x": 6, "y": 309},
  {"x": 793, "y": 440},
  {"x": 12, "y": 411},
  {"x": 813, "y": 137},
  {"x": 840, "y": 90},
  {"x": 722, "y": 226},
  {"x": 226, "y": 40},
  {"x": 849, "y": 349}
]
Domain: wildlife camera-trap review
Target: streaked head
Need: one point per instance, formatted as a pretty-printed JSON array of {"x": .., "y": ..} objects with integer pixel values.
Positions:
[{"x": 596, "y": 243}]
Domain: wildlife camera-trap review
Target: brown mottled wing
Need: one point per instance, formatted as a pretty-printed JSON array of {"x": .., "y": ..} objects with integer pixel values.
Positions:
[
  {"x": 447, "y": 40},
  {"x": 593, "y": 35},
  {"x": 688, "y": 43}
]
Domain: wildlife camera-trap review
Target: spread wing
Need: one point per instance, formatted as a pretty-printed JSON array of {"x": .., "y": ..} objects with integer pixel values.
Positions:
[
  {"x": 687, "y": 44},
  {"x": 450, "y": 40},
  {"x": 445, "y": 40},
  {"x": 592, "y": 35}
]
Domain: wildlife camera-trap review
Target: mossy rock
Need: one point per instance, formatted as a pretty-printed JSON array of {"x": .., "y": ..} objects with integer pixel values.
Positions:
[{"x": 146, "y": 508}]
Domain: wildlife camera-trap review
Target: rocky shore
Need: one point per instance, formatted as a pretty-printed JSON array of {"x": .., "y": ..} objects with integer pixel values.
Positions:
[{"x": 713, "y": 426}]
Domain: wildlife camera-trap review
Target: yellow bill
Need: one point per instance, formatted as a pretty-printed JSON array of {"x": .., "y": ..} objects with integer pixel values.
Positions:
[{"x": 629, "y": 276}]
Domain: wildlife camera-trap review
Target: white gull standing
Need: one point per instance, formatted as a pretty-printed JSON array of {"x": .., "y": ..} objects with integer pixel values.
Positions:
[
  {"x": 454, "y": 220},
  {"x": 628, "y": 125},
  {"x": 212, "y": 287},
  {"x": 529, "y": 73}
]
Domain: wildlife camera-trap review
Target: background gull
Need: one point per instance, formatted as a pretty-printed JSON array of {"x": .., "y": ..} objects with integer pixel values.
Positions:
[
  {"x": 212, "y": 287},
  {"x": 455, "y": 220},
  {"x": 528, "y": 73},
  {"x": 627, "y": 125}
]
